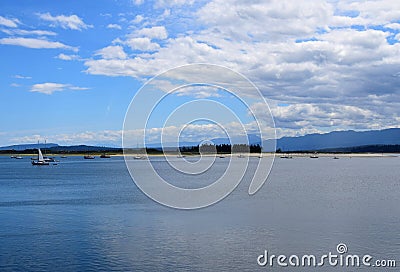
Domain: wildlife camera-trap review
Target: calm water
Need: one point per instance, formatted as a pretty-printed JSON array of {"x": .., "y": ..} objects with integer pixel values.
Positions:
[{"x": 87, "y": 215}]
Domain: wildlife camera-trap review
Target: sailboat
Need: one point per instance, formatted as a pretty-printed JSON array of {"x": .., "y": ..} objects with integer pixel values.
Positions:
[{"x": 40, "y": 159}]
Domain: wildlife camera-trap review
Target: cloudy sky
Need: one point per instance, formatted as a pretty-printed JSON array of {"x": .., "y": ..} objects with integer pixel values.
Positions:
[{"x": 69, "y": 69}]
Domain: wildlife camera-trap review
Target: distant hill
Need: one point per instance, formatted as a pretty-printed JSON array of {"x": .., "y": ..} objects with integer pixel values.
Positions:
[
  {"x": 59, "y": 149},
  {"x": 340, "y": 139},
  {"x": 83, "y": 148},
  {"x": 22, "y": 147}
]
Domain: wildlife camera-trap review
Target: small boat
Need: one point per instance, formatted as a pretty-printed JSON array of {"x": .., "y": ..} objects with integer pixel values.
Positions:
[
  {"x": 221, "y": 157},
  {"x": 241, "y": 156},
  {"x": 18, "y": 158},
  {"x": 63, "y": 157},
  {"x": 335, "y": 158},
  {"x": 13, "y": 157},
  {"x": 49, "y": 159},
  {"x": 40, "y": 160},
  {"x": 314, "y": 157},
  {"x": 286, "y": 157},
  {"x": 105, "y": 156},
  {"x": 180, "y": 156},
  {"x": 88, "y": 157}
]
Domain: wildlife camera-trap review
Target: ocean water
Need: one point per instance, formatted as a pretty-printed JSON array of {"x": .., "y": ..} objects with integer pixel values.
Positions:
[{"x": 88, "y": 215}]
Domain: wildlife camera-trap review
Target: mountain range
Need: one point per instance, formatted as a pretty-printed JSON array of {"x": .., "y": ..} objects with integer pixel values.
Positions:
[{"x": 340, "y": 139}]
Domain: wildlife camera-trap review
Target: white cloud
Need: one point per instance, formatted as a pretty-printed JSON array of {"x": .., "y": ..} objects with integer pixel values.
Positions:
[
  {"x": 395, "y": 26},
  {"x": 307, "y": 117},
  {"x": 36, "y": 43},
  {"x": 9, "y": 22},
  {"x": 172, "y": 3},
  {"x": 198, "y": 91},
  {"x": 114, "y": 26},
  {"x": 49, "y": 88},
  {"x": 115, "y": 67},
  {"x": 142, "y": 44},
  {"x": 139, "y": 18},
  {"x": 28, "y": 32},
  {"x": 374, "y": 12},
  {"x": 76, "y": 88},
  {"x": 112, "y": 52},
  {"x": 22, "y": 77},
  {"x": 155, "y": 32},
  {"x": 67, "y": 57},
  {"x": 67, "y": 22}
]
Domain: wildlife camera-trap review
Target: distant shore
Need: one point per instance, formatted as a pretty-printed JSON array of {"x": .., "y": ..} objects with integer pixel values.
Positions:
[{"x": 266, "y": 154}]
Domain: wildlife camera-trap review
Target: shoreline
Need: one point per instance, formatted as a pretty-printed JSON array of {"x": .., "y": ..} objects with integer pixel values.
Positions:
[{"x": 265, "y": 154}]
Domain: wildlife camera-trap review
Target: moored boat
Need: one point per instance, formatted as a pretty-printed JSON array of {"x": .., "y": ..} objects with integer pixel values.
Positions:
[{"x": 40, "y": 160}]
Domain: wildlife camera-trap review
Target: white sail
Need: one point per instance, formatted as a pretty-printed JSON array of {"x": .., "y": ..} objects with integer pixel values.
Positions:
[{"x": 40, "y": 155}]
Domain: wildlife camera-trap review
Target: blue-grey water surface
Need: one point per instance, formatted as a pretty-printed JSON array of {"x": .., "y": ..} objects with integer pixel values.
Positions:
[{"x": 88, "y": 215}]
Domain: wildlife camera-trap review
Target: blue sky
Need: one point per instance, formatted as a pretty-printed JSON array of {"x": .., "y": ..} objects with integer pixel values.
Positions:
[{"x": 69, "y": 69}]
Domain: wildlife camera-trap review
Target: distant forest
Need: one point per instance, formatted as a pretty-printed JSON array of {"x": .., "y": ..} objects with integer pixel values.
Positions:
[
  {"x": 222, "y": 148},
  {"x": 95, "y": 150}
]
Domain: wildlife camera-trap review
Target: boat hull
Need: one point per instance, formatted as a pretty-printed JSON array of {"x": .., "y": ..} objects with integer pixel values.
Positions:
[{"x": 39, "y": 163}]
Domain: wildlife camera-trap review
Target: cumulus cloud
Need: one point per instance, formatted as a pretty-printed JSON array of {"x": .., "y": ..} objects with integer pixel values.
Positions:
[
  {"x": 36, "y": 43},
  {"x": 67, "y": 57},
  {"x": 114, "y": 26},
  {"x": 112, "y": 52},
  {"x": 155, "y": 32},
  {"x": 67, "y": 22},
  {"x": 139, "y": 18},
  {"x": 172, "y": 3},
  {"x": 50, "y": 87},
  {"x": 142, "y": 44},
  {"x": 323, "y": 56},
  {"x": 324, "y": 115}
]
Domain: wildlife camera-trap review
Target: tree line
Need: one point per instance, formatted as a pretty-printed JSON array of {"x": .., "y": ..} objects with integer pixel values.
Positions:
[{"x": 222, "y": 148}]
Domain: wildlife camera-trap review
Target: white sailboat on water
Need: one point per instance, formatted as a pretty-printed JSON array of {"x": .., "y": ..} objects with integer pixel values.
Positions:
[{"x": 40, "y": 159}]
